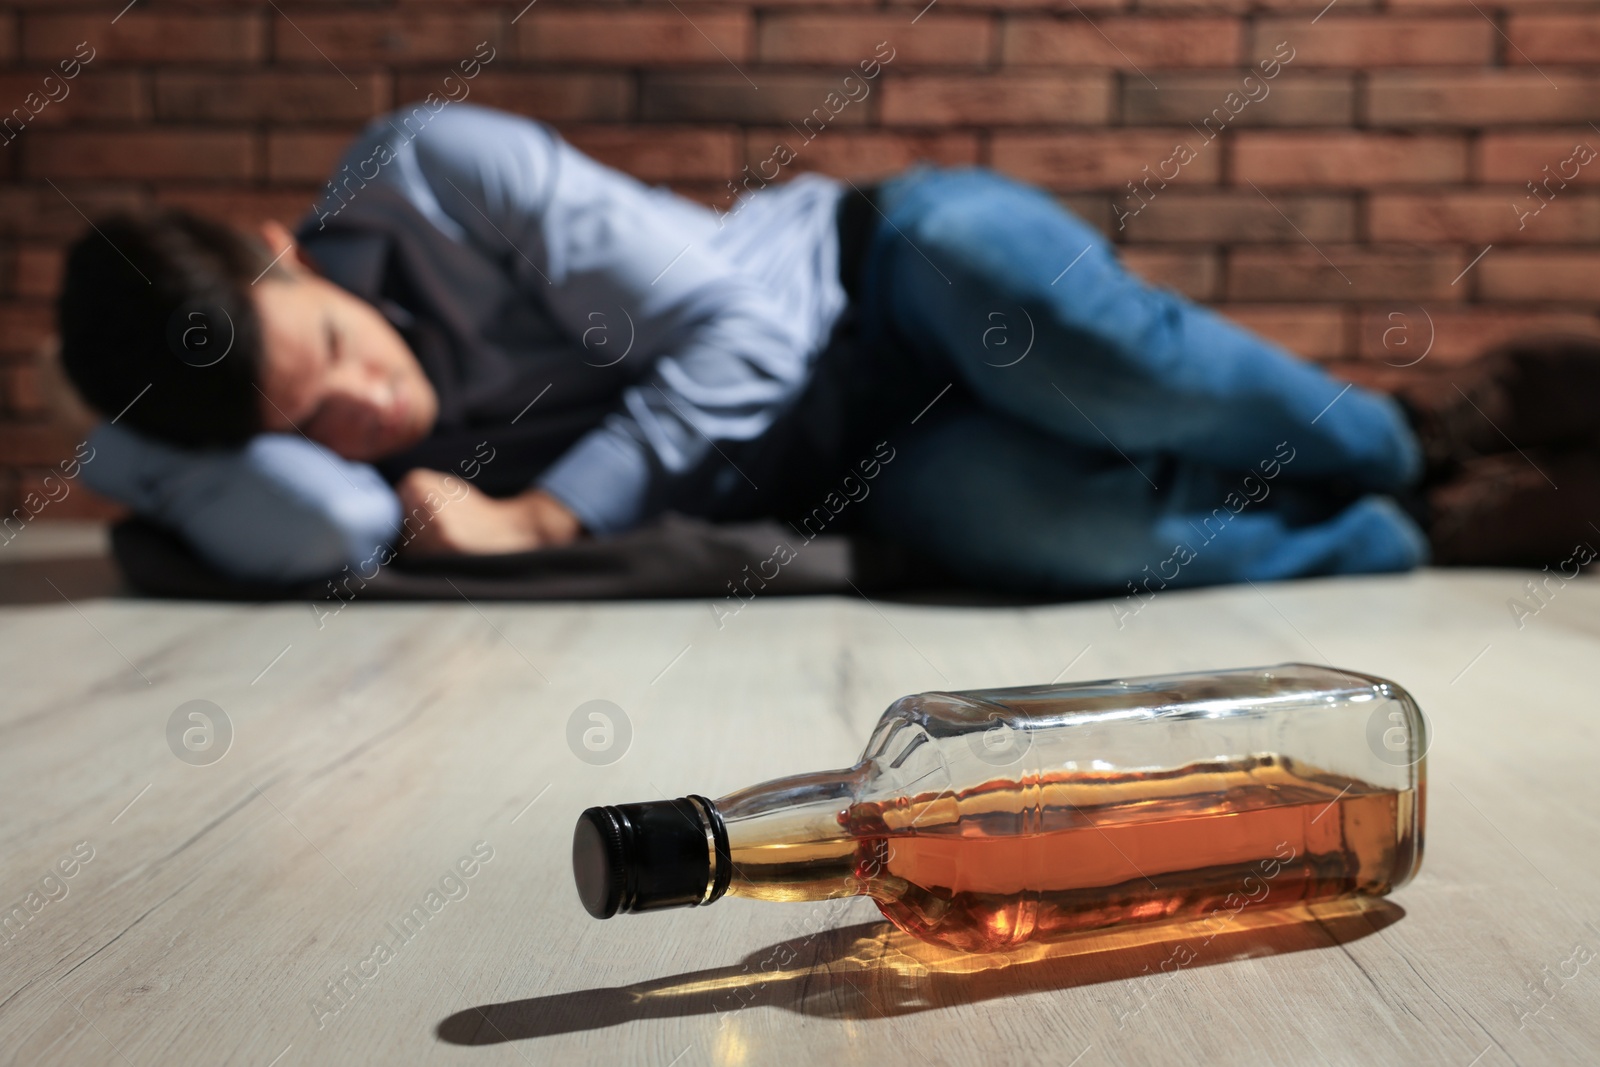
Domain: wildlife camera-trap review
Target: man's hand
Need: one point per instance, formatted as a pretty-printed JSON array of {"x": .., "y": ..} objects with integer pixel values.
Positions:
[{"x": 444, "y": 515}]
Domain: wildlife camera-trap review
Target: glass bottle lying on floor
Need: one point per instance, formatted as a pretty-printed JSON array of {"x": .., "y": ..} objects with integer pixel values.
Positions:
[{"x": 984, "y": 819}]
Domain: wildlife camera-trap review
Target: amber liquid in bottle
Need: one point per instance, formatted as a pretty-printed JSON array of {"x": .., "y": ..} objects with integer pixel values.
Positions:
[
  {"x": 1203, "y": 840},
  {"x": 984, "y": 819}
]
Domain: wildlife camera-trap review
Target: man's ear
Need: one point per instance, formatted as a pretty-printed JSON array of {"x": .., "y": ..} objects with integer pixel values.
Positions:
[{"x": 281, "y": 243}]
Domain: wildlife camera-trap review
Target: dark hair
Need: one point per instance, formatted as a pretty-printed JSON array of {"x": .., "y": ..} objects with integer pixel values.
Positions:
[{"x": 161, "y": 299}]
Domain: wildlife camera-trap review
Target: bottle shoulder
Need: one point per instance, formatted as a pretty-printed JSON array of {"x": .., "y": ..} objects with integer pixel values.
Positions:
[
  {"x": 1340, "y": 721},
  {"x": 1209, "y": 694}
]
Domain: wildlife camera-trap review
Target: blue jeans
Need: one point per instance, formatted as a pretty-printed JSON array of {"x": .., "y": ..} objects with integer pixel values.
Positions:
[{"x": 1101, "y": 431}]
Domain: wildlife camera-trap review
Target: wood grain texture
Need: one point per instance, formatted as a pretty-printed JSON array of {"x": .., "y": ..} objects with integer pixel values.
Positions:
[{"x": 224, "y": 902}]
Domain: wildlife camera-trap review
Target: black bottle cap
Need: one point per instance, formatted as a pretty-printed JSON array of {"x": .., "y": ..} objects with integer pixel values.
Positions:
[{"x": 660, "y": 854}]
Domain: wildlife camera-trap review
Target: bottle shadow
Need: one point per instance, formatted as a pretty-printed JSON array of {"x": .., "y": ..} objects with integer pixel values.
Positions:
[{"x": 872, "y": 970}]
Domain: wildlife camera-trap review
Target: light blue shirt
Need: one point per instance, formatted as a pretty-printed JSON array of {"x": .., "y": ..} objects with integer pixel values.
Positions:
[{"x": 727, "y": 310}]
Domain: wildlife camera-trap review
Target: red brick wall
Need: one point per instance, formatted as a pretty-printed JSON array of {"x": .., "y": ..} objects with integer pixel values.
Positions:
[{"x": 1337, "y": 210}]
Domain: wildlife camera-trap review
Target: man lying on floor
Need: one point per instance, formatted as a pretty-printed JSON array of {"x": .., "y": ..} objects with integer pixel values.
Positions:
[{"x": 484, "y": 329}]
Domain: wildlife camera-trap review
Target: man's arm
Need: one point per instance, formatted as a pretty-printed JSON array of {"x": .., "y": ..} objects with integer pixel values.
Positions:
[
  {"x": 600, "y": 248},
  {"x": 282, "y": 509},
  {"x": 459, "y": 519}
]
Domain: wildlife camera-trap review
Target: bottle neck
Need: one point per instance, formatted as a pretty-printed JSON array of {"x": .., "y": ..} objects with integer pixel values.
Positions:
[{"x": 791, "y": 838}]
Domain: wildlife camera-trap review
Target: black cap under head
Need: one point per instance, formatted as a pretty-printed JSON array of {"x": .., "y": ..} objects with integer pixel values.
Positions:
[{"x": 659, "y": 854}]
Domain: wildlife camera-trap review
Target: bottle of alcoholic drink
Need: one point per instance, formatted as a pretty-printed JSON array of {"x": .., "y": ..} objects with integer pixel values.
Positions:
[{"x": 984, "y": 819}]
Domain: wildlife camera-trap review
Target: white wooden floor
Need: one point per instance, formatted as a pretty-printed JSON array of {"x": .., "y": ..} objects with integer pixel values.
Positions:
[{"x": 213, "y": 908}]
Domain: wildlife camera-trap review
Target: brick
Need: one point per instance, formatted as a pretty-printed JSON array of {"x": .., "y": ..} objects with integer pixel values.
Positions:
[
  {"x": 1378, "y": 377},
  {"x": 1242, "y": 6},
  {"x": 913, "y": 6},
  {"x": 1010, "y": 99},
  {"x": 1315, "y": 332},
  {"x": 304, "y": 156},
  {"x": 575, "y": 97},
  {"x": 145, "y": 36},
  {"x": 714, "y": 195},
  {"x": 241, "y": 207},
  {"x": 1347, "y": 273},
  {"x": 1347, "y": 159},
  {"x": 863, "y": 154},
  {"x": 1554, "y": 38},
  {"x": 635, "y": 36},
  {"x": 277, "y": 96},
  {"x": 1293, "y": 98},
  {"x": 1518, "y": 157},
  {"x": 719, "y": 96},
  {"x": 80, "y": 502},
  {"x": 1367, "y": 41},
  {"x": 1122, "y": 42},
  {"x": 1404, "y": 335},
  {"x": 1190, "y": 7},
  {"x": 657, "y": 154},
  {"x": 105, "y": 94},
  {"x": 38, "y": 211},
  {"x": 183, "y": 155},
  {"x": 8, "y": 37},
  {"x": 36, "y": 270},
  {"x": 1105, "y": 159},
  {"x": 20, "y": 391},
  {"x": 8, "y": 268},
  {"x": 1465, "y": 5},
  {"x": 743, "y": 3},
  {"x": 1194, "y": 274},
  {"x": 1241, "y": 217},
  {"x": 1509, "y": 216},
  {"x": 35, "y": 444},
  {"x": 1478, "y": 98},
  {"x": 849, "y": 40},
  {"x": 1529, "y": 276},
  {"x": 1094, "y": 209},
  {"x": 25, "y": 326},
  {"x": 1455, "y": 336},
  {"x": 1317, "y": 6},
  {"x": 374, "y": 37}
]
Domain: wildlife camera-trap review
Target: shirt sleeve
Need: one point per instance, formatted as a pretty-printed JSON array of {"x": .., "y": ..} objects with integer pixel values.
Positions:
[
  {"x": 281, "y": 509},
  {"x": 600, "y": 248}
]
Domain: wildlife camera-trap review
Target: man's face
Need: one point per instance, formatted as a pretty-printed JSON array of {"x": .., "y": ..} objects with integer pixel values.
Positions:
[{"x": 333, "y": 368}]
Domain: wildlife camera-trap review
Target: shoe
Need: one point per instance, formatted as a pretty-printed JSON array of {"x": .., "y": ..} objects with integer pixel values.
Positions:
[
  {"x": 1537, "y": 392},
  {"x": 1526, "y": 508},
  {"x": 1553, "y": 385}
]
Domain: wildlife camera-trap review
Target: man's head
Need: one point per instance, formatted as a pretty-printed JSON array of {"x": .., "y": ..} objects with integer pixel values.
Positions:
[{"x": 234, "y": 335}]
